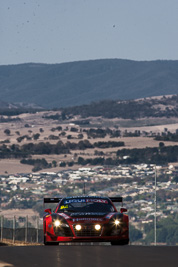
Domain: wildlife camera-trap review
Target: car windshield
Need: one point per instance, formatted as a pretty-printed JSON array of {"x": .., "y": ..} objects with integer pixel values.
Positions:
[{"x": 86, "y": 205}]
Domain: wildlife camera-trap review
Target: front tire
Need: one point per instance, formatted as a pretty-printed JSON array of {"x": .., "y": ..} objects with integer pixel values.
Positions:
[
  {"x": 50, "y": 243},
  {"x": 120, "y": 242}
]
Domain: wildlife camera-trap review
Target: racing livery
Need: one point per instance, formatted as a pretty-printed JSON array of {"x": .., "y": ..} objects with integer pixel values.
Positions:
[{"x": 85, "y": 219}]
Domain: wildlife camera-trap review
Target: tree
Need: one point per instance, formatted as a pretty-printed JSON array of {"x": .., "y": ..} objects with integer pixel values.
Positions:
[
  {"x": 70, "y": 163},
  {"x": 7, "y": 131},
  {"x": 80, "y": 136},
  {"x": 63, "y": 133},
  {"x": 135, "y": 234},
  {"x": 81, "y": 161},
  {"x": 166, "y": 231},
  {"x": 63, "y": 116},
  {"x": 73, "y": 129},
  {"x": 62, "y": 164},
  {"x": 54, "y": 163},
  {"x": 17, "y": 133},
  {"x": 175, "y": 179},
  {"x": 36, "y": 136},
  {"x": 26, "y": 125},
  {"x": 128, "y": 198},
  {"x": 53, "y": 137},
  {"x": 161, "y": 144}
]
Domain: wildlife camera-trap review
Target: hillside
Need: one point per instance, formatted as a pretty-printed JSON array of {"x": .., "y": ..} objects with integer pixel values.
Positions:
[
  {"x": 77, "y": 83},
  {"x": 163, "y": 106}
]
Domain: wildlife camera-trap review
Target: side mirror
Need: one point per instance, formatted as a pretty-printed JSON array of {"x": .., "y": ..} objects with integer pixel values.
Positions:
[
  {"x": 48, "y": 211},
  {"x": 123, "y": 210}
]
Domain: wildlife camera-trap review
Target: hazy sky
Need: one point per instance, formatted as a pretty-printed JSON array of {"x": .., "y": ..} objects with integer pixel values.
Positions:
[{"x": 55, "y": 31}]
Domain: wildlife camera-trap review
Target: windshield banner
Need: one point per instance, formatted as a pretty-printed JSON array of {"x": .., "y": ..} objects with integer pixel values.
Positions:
[{"x": 85, "y": 200}]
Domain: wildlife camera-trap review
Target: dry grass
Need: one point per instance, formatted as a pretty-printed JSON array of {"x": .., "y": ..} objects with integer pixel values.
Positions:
[
  {"x": 17, "y": 243},
  {"x": 11, "y": 166}
]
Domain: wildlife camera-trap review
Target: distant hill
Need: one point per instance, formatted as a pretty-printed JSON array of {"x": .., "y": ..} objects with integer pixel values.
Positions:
[
  {"x": 78, "y": 83},
  {"x": 165, "y": 106}
]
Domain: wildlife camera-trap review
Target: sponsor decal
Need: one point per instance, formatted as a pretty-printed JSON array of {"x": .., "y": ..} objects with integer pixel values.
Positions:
[
  {"x": 97, "y": 200},
  {"x": 87, "y": 219},
  {"x": 64, "y": 207},
  {"x": 65, "y": 216},
  {"x": 84, "y": 197},
  {"x": 82, "y": 200},
  {"x": 85, "y": 200},
  {"x": 76, "y": 214},
  {"x": 109, "y": 215}
]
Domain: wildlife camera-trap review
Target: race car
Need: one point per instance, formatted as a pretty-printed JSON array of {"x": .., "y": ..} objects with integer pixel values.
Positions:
[{"x": 85, "y": 219}]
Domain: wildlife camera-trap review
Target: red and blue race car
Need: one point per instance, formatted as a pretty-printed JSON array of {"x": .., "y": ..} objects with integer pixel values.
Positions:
[{"x": 85, "y": 219}]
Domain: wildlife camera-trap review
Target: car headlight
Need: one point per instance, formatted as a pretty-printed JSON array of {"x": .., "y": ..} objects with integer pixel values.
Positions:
[
  {"x": 97, "y": 227},
  {"x": 78, "y": 227},
  {"x": 57, "y": 223},
  {"x": 116, "y": 222}
]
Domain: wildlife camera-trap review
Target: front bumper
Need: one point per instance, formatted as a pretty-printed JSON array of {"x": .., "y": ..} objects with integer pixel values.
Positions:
[
  {"x": 85, "y": 239},
  {"x": 105, "y": 235}
]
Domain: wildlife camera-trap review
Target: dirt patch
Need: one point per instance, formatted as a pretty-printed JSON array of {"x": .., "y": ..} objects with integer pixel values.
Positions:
[{"x": 12, "y": 166}]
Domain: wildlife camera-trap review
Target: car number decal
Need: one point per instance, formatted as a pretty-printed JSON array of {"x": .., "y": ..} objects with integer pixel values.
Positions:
[{"x": 64, "y": 207}]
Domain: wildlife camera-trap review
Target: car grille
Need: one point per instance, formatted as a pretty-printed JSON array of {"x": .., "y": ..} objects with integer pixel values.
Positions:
[
  {"x": 63, "y": 231},
  {"x": 87, "y": 230}
]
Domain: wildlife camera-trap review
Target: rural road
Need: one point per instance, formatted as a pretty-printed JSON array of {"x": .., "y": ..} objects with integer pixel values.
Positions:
[{"x": 88, "y": 256}]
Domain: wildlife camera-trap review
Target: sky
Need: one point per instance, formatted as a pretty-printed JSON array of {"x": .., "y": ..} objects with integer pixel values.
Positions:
[{"x": 57, "y": 31}]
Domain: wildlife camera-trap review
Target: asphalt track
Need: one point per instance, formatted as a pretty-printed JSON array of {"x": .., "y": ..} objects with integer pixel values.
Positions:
[{"x": 89, "y": 256}]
